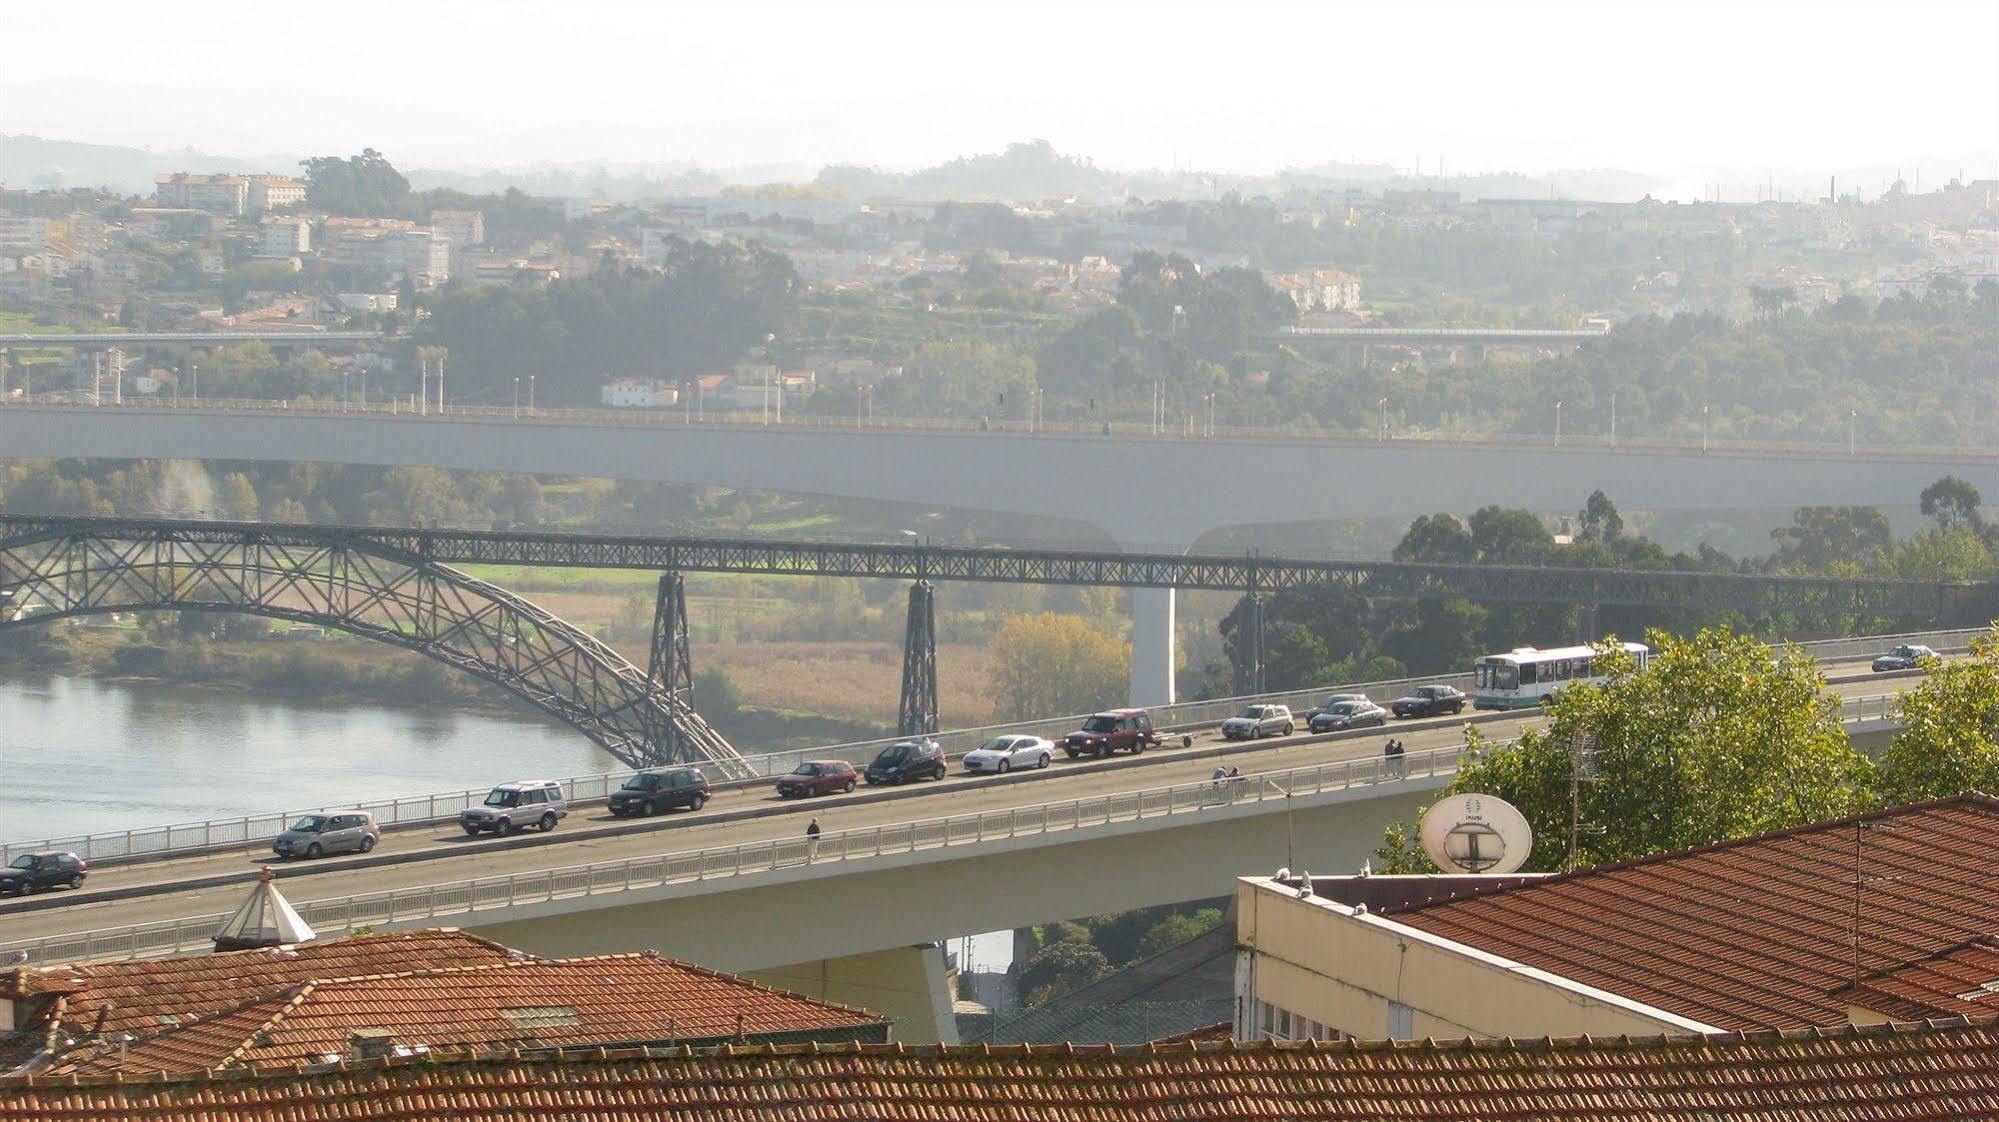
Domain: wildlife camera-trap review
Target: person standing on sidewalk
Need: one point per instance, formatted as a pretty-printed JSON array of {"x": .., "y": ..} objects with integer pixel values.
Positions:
[{"x": 812, "y": 839}]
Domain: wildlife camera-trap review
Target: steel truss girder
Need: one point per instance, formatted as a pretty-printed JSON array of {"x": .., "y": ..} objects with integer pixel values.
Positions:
[
  {"x": 365, "y": 588},
  {"x": 1384, "y": 579}
]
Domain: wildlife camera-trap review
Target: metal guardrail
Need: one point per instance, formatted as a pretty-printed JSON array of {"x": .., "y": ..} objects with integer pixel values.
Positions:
[
  {"x": 343, "y": 914},
  {"x": 415, "y": 809},
  {"x": 1185, "y": 427}
]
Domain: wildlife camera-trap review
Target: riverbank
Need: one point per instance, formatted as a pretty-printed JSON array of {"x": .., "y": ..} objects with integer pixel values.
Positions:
[{"x": 338, "y": 671}]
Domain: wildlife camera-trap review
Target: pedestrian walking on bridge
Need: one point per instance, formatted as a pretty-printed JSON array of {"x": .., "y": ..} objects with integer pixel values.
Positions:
[{"x": 812, "y": 839}]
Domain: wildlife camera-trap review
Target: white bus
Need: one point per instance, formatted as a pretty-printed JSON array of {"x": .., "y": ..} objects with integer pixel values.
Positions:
[{"x": 1526, "y": 677}]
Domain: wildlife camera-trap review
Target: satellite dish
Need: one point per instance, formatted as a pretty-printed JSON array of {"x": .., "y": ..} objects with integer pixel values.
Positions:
[{"x": 1476, "y": 834}]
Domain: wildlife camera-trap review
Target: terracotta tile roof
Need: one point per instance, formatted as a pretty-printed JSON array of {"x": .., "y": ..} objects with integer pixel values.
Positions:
[
  {"x": 1754, "y": 933},
  {"x": 143, "y": 991},
  {"x": 1909, "y": 1073},
  {"x": 1958, "y": 981},
  {"x": 612, "y": 1000}
]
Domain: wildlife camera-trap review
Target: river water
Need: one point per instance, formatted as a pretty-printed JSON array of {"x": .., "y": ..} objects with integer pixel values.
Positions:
[{"x": 81, "y": 756}]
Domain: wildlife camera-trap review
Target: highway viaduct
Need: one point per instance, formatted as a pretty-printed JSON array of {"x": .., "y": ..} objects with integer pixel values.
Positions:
[{"x": 1144, "y": 492}]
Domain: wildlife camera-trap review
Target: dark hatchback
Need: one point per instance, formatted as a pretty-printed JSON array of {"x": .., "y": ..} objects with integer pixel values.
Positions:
[
  {"x": 911, "y": 759},
  {"x": 32, "y": 872},
  {"x": 658, "y": 790},
  {"x": 817, "y": 777}
]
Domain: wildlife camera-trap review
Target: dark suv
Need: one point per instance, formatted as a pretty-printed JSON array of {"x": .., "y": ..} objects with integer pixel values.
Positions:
[
  {"x": 658, "y": 790},
  {"x": 910, "y": 759},
  {"x": 1115, "y": 730},
  {"x": 32, "y": 872}
]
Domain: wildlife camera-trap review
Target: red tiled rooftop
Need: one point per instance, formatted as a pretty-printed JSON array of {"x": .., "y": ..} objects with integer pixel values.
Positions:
[
  {"x": 1754, "y": 933},
  {"x": 1958, "y": 981},
  {"x": 1910, "y": 1073},
  {"x": 141, "y": 992},
  {"x": 616, "y": 999}
]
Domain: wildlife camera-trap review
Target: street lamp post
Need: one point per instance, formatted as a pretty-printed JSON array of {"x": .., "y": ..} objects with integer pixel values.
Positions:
[
  {"x": 517, "y": 397},
  {"x": 530, "y": 393},
  {"x": 1384, "y": 417},
  {"x": 1703, "y": 428},
  {"x": 1852, "y": 419},
  {"x": 1558, "y": 424},
  {"x": 195, "y": 369}
]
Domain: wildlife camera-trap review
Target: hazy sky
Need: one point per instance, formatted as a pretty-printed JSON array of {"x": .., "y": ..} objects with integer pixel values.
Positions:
[{"x": 1235, "y": 85}]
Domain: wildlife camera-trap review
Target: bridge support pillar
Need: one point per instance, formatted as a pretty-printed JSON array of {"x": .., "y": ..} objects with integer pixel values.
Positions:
[
  {"x": 909, "y": 985},
  {"x": 1152, "y": 651},
  {"x": 1586, "y": 623},
  {"x": 671, "y": 667},
  {"x": 1249, "y": 648},
  {"x": 917, "y": 713}
]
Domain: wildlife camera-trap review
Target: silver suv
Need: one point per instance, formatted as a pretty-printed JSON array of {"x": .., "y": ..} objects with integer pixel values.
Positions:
[
  {"x": 510, "y": 806},
  {"x": 314, "y": 835}
]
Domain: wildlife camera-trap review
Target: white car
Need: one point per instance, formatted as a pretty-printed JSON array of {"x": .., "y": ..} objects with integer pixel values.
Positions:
[
  {"x": 1010, "y": 753},
  {"x": 1257, "y": 721}
]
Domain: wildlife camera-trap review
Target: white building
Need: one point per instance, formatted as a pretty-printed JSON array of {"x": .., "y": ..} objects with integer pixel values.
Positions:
[
  {"x": 274, "y": 192},
  {"x": 640, "y": 393},
  {"x": 284, "y": 236},
  {"x": 462, "y": 228},
  {"x": 221, "y": 194}
]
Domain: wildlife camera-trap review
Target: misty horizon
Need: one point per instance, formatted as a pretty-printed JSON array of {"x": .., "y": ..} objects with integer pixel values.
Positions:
[{"x": 1716, "y": 95}]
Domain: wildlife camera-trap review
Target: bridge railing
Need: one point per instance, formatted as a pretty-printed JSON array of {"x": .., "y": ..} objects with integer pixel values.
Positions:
[
  {"x": 340, "y": 915},
  {"x": 187, "y": 837},
  {"x": 1183, "y": 427}
]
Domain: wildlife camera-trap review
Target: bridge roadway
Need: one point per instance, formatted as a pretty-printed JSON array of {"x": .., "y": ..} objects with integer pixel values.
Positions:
[
  {"x": 421, "y": 854},
  {"x": 1156, "y": 492}
]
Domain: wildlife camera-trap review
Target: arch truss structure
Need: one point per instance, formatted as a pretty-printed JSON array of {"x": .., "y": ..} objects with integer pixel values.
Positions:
[{"x": 366, "y": 588}]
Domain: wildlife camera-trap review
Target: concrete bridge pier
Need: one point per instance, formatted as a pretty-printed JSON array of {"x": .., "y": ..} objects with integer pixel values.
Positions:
[
  {"x": 1153, "y": 651},
  {"x": 909, "y": 985}
]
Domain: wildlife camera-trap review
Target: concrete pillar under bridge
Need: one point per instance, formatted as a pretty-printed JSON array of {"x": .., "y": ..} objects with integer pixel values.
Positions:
[
  {"x": 829, "y": 924},
  {"x": 909, "y": 985}
]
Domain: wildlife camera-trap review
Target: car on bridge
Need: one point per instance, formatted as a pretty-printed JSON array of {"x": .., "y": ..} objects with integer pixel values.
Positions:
[
  {"x": 1116, "y": 730},
  {"x": 1430, "y": 701},
  {"x": 817, "y": 777},
  {"x": 1258, "y": 721},
  {"x": 1908, "y": 656},
  {"x": 657, "y": 790},
  {"x": 1349, "y": 715},
  {"x": 1007, "y": 753},
  {"x": 1333, "y": 699},
  {"x": 511, "y": 806},
  {"x": 906, "y": 760},
  {"x": 316, "y": 835},
  {"x": 32, "y": 872}
]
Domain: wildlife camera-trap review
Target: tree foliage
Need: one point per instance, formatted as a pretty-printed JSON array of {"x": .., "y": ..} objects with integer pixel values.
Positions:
[
  {"x": 367, "y": 185},
  {"x": 1060, "y": 967},
  {"x": 1719, "y": 738},
  {"x": 1049, "y": 663},
  {"x": 1949, "y": 742},
  {"x": 710, "y": 305}
]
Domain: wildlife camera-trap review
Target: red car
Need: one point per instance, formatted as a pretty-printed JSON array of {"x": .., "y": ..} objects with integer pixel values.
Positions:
[{"x": 817, "y": 777}]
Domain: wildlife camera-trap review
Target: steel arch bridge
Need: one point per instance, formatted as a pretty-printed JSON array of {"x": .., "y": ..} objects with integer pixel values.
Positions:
[{"x": 376, "y": 591}]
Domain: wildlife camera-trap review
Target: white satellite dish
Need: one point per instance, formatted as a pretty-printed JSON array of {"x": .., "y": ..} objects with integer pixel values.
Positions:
[{"x": 1476, "y": 834}]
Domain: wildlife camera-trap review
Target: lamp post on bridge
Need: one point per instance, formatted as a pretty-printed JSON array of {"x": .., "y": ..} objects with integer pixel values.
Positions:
[
  {"x": 1704, "y": 428},
  {"x": 530, "y": 393},
  {"x": 1384, "y": 417},
  {"x": 517, "y": 397},
  {"x": 1852, "y": 419},
  {"x": 1558, "y": 424}
]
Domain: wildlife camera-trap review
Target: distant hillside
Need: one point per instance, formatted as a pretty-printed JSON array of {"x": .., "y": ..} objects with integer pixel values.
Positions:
[{"x": 38, "y": 163}]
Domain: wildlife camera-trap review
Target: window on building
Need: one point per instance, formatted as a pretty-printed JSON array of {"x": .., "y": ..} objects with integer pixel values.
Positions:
[{"x": 1401, "y": 1021}]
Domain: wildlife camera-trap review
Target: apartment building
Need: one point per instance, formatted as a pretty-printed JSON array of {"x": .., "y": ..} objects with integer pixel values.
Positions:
[{"x": 220, "y": 194}]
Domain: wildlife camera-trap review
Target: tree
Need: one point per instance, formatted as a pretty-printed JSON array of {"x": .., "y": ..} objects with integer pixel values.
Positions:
[
  {"x": 1818, "y": 536},
  {"x": 1953, "y": 503},
  {"x": 1060, "y": 967},
  {"x": 1949, "y": 741},
  {"x": 1509, "y": 535},
  {"x": 1176, "y": 929},
  {"x": 1048, "y": 665},
  {"x": 1718, "y": 738},
  {"x": 1436, "y": 537},
  {"x": 1599, "y": 520},
  {"x": 365, "y": 186}
]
